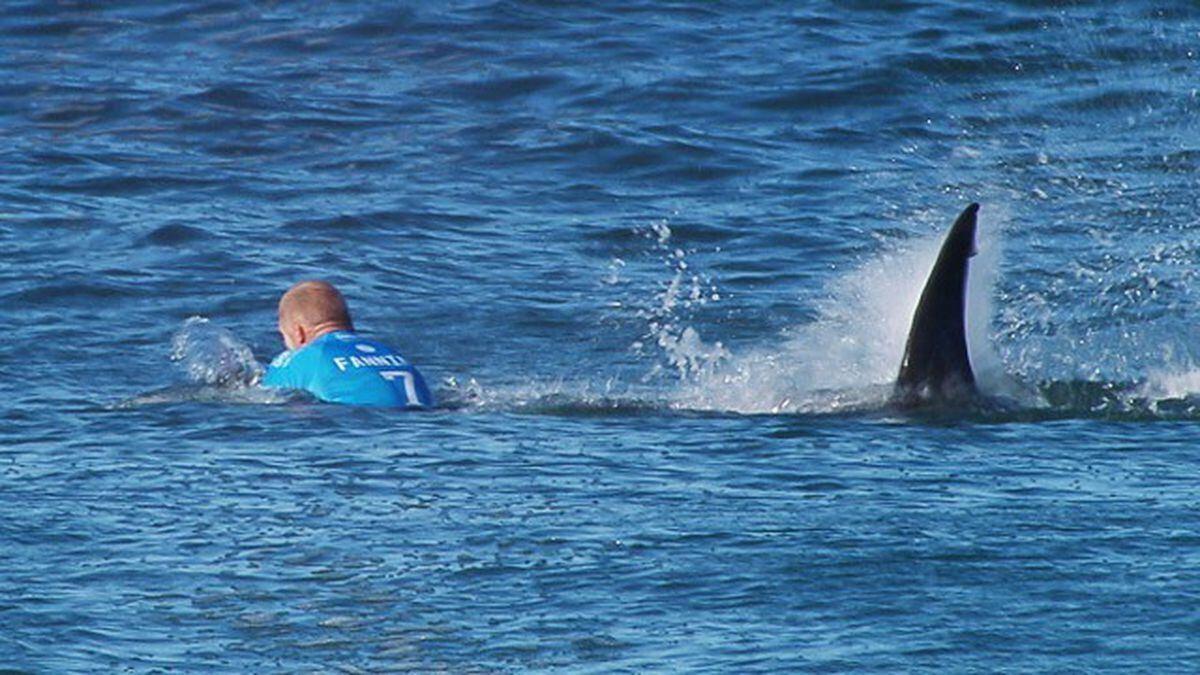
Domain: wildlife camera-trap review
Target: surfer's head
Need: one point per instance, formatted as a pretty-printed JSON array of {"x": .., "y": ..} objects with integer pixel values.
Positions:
[{"x": 309, "y": 310}]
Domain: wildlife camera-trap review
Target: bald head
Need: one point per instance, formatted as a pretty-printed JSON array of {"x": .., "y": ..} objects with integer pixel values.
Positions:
[{"x": 309, "y": 310}]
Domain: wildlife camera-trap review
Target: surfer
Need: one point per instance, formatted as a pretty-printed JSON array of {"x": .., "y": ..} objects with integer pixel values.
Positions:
[{"x": 328, "y": 359}]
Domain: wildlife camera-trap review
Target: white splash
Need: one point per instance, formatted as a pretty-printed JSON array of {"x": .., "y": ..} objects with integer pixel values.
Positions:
[
  {"x": 219, "y": 368},
  {"x": 1167, "y": 384},
  {"x": 541, "y": 396},
  {"x": 1178, "y": 379},
  {"x": 211, "y": 355},
  {"x": 687, "y": 290},
  {"x": 848, "y": 357}
]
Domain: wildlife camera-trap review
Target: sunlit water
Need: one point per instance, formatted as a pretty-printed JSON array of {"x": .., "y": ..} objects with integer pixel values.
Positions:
[{"x": 658, "y": 263}]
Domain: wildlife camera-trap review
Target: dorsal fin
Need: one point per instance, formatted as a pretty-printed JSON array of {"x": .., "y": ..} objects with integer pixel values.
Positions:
[{"x": 936, "y": 367}]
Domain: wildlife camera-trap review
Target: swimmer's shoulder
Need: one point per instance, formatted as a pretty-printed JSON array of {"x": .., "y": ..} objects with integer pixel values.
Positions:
[
  {"x": 303, "y": 359},
  {"x": 349, "y": 343}
]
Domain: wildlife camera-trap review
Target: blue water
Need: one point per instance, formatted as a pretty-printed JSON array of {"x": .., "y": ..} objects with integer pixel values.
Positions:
[{"x": 657, "y": 260}]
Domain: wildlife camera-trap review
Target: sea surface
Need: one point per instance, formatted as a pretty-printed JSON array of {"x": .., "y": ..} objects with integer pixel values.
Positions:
[{"x": 657, "y": 260}]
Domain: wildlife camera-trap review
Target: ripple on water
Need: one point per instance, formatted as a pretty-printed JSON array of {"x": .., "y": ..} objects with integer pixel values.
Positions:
[
  {"x": 240, "y": 97},
  {"x": 174, "y": 234}
]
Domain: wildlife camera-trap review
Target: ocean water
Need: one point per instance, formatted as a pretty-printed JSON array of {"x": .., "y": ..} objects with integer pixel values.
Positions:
[{"x": 658, "y": 261}]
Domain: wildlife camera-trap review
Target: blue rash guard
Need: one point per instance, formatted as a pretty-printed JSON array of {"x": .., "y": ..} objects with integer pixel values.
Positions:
[{"x": 344, "y": 367}]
